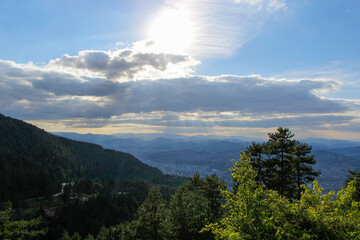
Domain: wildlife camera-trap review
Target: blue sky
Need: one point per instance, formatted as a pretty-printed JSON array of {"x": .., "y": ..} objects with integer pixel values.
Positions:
[{"x": 217, "y": 67}]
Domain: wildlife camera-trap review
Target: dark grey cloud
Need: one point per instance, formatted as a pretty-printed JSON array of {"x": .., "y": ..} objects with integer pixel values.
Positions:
[
  {"x": 227, "y": 93},
  {"x": 64, "y": 86}
]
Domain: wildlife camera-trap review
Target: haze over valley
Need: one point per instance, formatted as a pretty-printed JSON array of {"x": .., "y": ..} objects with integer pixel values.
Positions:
[{"x": 185, "y": 156}]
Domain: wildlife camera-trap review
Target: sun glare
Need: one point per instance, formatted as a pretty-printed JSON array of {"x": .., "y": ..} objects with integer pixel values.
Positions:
[{"x": 171, "y": 32}]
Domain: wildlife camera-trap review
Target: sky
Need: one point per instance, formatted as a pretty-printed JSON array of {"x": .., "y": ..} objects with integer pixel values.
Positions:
[{"x": 232, "y": 68}]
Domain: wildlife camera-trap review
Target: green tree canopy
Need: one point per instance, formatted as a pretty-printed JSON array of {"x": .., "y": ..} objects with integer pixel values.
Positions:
[
  {"x": 258, "y": 213},
  {"x": 354, "y": 175},
  {"x": 152, "y": 217},
  {"x": 302, "y": 163},
  {"x": 196, "y": 204},
  {"x": 21, "y": 229},
  {"x": 283, "y": 163}
]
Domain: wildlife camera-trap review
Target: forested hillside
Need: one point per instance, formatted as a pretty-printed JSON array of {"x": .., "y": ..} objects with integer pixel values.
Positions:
[
  {"x": 104, "y": 199},
  {"x": 33, "y": 162}
]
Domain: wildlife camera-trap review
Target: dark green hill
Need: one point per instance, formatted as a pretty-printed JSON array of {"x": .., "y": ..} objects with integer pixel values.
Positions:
[{"x": 33, "y": 162}]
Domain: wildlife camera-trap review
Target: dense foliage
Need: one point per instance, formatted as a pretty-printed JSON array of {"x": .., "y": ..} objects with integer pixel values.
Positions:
[
  {"x": 354, "y": 175},
  {"x": 258, "y": 213},
  {"x": 114, "y": 203},
  {"x": 194, "y": 205},
  {"x": 11, "y": 229}
]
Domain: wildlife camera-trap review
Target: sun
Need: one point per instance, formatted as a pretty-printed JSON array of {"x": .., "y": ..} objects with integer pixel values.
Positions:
[{"x": 171, "y": 32}]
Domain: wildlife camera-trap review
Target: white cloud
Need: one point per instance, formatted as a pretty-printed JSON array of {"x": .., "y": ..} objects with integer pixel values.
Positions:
[
  {"x": 346, "y": 74},
  {"x": 269, "y": 5},
  {"x": 123, "y": 65},
  {"x": 222, "y": 26}
]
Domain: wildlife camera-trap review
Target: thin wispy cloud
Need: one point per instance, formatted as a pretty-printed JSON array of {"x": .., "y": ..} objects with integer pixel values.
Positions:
[{"x": 221, "y": 27}]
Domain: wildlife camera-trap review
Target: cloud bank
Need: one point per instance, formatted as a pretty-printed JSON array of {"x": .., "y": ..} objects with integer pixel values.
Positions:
[{"x": 99, "y": 89}]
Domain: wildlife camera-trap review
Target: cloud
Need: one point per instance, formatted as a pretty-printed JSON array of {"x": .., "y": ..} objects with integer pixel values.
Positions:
[
  {"x": 45, "y": 92},
  {"x": 223, "y": 26},
  {"x": 153, "y": 119},
  {"x": 121, "y": 65},
  {"x": 251, "y": 94},
  {"x": 268, "y": 5},
  {"x": 346, "y": 73},
  {"x": 98, "y": 89}
]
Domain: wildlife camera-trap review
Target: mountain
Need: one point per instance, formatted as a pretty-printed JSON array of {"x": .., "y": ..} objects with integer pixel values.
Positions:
[
  {"x": 349, "y": 151},
  {"x": 330, "y": 144},
  {"x": 33, "y": 162},
  {"x": 135, "y": 145},
  {"x": 89, "y": 137},
  {"x": 334, "y": 168},
  {"x": 186, "y": 156}
]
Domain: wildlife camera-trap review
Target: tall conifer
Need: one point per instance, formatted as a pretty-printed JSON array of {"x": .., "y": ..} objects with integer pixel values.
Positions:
[
  {"x": 257, "y": 152},
  {"x": 302, "y": 161},
  {"x": 152, "y": 218},
  {"x": 282, "y": 163},
  {"x": 279, "y": 168}
]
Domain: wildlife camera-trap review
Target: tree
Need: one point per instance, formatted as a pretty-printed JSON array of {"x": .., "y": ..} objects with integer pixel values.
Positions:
[
  {"x": 278, "y": 166},
  {"x": 258, "y": 213},
  {"x": 302, "y": 161},
  {"x": 257, "y": 152},
  {"x": 354, "y": 176},
  {"x": 189, "y": 213},
  {"x": 212, "y": 186},
  {"x": 21, "y": 229},
  {"x": 282, "y": 163},
  {"x": 196, "y": 204},
  {"x": 250, "y": 207},
  {"x": 152, "y": 217}
]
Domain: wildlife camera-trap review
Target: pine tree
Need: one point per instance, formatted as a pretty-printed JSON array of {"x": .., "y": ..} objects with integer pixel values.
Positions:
[
  {"x": 302, "y": 161},
  {"x": 212, "y": 187},
  {"x": 189, "y": 213},
  {"x": 282, "y": 163},
  {"x": 195, "y": 204},
  {"x": 152, "y": 218},
  {"x": 279, "y": 168},
  {"x": 257, "y": 152}
]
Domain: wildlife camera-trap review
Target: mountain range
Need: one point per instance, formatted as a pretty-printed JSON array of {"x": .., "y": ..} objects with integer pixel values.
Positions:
[{"x": 186, "y": 155}]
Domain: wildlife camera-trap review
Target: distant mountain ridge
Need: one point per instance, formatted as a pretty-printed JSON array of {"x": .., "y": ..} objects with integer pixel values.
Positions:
[
  {"x": 185, "y": 156},
  {"x": 331, "y": 143},
  {"x": 33, "y": 162},
  {"x": 349, "y": 151}
]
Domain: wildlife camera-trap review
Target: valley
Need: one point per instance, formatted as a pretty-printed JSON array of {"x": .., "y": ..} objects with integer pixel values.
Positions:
[{"x": 184, "y": 156}]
